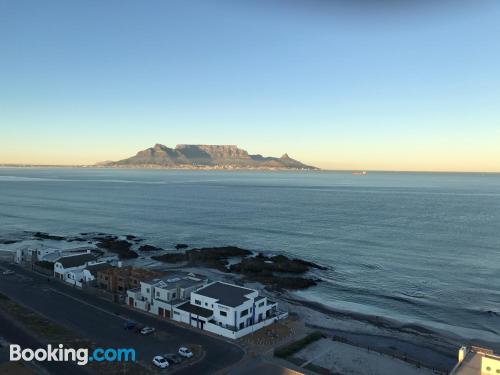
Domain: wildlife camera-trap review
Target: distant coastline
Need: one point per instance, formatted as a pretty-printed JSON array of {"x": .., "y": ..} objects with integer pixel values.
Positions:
[{"x": 97, "y": 166}]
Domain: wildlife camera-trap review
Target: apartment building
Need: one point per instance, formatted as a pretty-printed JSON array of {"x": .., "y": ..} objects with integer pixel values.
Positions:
[{"x": 228, "y": 310}]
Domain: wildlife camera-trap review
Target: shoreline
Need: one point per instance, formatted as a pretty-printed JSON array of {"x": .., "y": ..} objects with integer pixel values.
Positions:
[{"x": 429, "y": 347}]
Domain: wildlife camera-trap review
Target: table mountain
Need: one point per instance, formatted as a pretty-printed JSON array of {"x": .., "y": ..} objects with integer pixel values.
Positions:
[{"x": 205, "y": 156}]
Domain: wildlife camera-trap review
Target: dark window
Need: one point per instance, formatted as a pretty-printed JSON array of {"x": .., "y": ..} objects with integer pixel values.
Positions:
[
  {"x": 243, "y": 313},
  {"x": 197, "y": 301},
  {"x": 223, "y": 313}
]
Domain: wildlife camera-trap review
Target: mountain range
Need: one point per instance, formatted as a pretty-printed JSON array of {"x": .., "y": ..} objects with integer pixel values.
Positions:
[{"x": 205, "y": 157}]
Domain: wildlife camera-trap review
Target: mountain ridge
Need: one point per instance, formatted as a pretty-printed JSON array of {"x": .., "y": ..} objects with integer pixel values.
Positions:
[{"x": 191, "y": 156}]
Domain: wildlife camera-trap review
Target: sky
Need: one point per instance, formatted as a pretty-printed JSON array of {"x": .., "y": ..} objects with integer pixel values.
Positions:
[{"x": 340, "y": 84}]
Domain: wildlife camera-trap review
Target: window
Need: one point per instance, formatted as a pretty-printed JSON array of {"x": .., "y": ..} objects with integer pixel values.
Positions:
[
  {"x": 261, "y": 304},
  {"x": 223, "y": 313},
  {"x": 243, "y": 313},
  {"x": 157, "y": 294},
  {"x": 197, "y": 301},
  {"x": 174, "y": 295}
]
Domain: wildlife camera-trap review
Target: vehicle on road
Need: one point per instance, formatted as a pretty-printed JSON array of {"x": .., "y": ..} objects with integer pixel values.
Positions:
[
  {"x": 138, "y": 327},
  {"x": 129, "y": 325},
  {"x": 185, "y": 352},
  {"x": 160, "y": 362},
  {"x": 173, "y": 358},
  {"x": 8, "y": 272},
  {"x": 147, "y": 330}
]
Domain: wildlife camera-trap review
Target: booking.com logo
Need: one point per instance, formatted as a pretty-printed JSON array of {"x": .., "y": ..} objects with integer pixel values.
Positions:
[{"x": 80, "y": 356}]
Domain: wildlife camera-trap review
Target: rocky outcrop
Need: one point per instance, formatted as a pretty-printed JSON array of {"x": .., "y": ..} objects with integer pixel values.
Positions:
[
  {"x": 274, "y": 272},
  {"x": 205, "y": 156}
]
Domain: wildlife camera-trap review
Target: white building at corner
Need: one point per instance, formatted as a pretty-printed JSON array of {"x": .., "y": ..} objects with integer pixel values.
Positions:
[
  {"x": 476, "y": 361},
  {"x": 228, "y": 310}
]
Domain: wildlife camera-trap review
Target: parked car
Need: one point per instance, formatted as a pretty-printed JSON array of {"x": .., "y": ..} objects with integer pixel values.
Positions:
[
  {"x": 129, "y": 325},
  {"x": 138, "y": 327},
  {"x": 173, "y": 358},
  {"x": 160, "y": 362},
  {"x": 185, "y": 352},
  {"x": 8, "y": 272},
  {"x": 147, "y": 330}
]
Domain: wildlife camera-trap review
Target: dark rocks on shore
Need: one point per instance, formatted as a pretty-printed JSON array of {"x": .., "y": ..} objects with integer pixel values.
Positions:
[
  {"x": 46, "y": 236},
  {"x": 171, "y": 257},
  {"x": 117, "y": 246},
  {"x": 271, "y": 271},
  {"x": 180, "y": 246},
  {"x": 213, "y": 257},
  {"x": 9, "y": 242},
  {"x": 149, "y": 248},
  {"x": 77, "y": 239}
]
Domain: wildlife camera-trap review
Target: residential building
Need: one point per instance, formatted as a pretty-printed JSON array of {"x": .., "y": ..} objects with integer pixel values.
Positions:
[
  {"x": 228, "y": 310},
  {"x": 67, "y": 268},
  {"x": 121, "y": 279},
  {"x": 29, "y": 255},
  {"x": 476, "y": 361},
  {"x": 159, "y": 295}
]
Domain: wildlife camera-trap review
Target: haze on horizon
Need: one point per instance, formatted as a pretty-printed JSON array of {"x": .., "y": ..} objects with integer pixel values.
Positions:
[{"x": 373, "y": 85}]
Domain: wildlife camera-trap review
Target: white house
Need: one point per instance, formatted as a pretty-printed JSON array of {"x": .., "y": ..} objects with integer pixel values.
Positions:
[
  {"x": 160, "y": 295},
  {"x": 228, "y": 310},
  {"x": 86, "y": 276},
  {"x": 69, "y": 268}
]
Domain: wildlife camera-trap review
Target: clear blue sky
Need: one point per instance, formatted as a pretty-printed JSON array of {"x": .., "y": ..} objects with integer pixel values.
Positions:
[{"x": 370, "y": 85}]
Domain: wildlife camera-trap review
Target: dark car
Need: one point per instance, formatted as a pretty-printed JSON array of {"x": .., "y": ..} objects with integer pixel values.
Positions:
[
  {"x": 129, "y": 325},
  {"x": 173, "y": 358},
  {"x": 138, "y": 327}
]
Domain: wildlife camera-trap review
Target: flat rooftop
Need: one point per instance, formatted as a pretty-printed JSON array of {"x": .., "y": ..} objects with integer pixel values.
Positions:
[
  {"x": 177, "y": 279},
  {"x": 226, "y": 294},
  {"x": 196, "y": 310}
]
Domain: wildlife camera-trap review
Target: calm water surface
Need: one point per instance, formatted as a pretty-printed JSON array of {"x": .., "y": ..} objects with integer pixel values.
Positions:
[{"x": 419, "y": 248}]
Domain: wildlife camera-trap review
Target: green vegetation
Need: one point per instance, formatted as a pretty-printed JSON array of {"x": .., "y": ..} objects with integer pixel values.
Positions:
[
  {"x": 57, "y": 334},
  {"x": 36, "y": 323},
  {"x": 296, "y": 346}
]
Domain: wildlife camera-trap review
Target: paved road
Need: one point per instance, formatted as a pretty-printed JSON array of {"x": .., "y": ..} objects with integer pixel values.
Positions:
[
  {"x": 13, "y": 334},
  {"x": 102, "y": 321}
]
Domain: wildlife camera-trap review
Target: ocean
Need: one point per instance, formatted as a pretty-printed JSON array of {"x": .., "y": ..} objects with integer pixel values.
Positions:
[{"x": 418, "y": 248}]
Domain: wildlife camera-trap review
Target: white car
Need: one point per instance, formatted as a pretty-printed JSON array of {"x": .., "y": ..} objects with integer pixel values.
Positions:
[
  {"x": 147, "y": 330},
  {"x": 7, "y": 272},
  {"x": 160, "y": 362},
  {"x": 185, "y": 352}
]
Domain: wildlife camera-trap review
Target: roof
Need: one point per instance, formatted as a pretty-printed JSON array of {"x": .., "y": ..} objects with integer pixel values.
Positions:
[
  {"x": 177, "y": 279},
  {"x": 472, "y": 364},
  {"x": 197, "y": 310},
  {"x": 76, "y": 260},
  {"x": 99, "y": 267},
  {"x": 226, "y": 294}
]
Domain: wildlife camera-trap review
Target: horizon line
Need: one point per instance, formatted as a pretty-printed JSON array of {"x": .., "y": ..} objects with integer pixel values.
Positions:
[{"x": 95, "y": 166}]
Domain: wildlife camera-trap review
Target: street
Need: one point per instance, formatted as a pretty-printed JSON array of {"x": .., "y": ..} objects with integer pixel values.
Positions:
[{"x": 102, "y": 322}]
